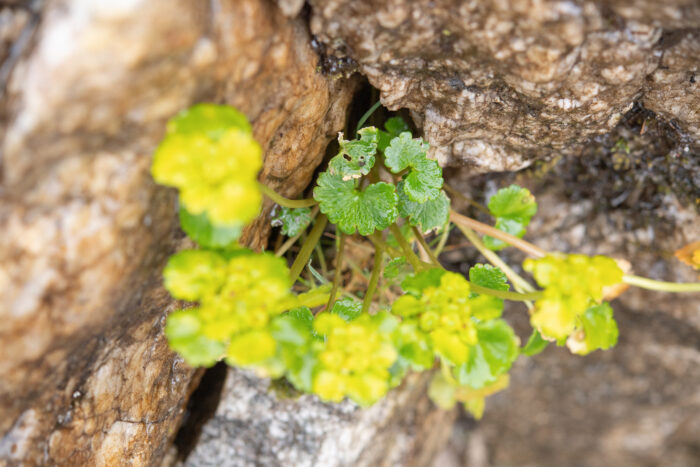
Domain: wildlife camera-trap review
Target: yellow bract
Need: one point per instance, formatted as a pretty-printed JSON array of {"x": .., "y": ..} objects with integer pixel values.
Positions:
[
  {"x": 355, "y": 360},
  {"x": 572, "y": 283},
  {"x": 216, "y": 173}
]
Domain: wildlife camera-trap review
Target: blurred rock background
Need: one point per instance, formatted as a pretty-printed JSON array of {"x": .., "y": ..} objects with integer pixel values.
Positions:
[{"x": 86, "y": 86}]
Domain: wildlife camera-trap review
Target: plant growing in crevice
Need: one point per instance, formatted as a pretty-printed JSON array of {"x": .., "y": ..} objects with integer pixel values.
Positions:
[{"x": 381, "y": 191}]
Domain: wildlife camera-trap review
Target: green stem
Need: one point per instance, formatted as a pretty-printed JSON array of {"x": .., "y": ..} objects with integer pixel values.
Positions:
[
  {"x": 308, "y": 247},
  {"x": 514, "y": 296},
  {"x": 426, "y": 247},
  {"x": 285, "y": 202},
  {"x": 443, "y": 241},
  {"x": 519, "y": 283},
  {"x": 406, "y": 248},
  {"x": 321, "y": 259},
  {"x": 367, "y": 114},
  {"x": 661, "y": 286},
  {"x": 374, "y": 278},
  {"x": 337, "y": 276}
]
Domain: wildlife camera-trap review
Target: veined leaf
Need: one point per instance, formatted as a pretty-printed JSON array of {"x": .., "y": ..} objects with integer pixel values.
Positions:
[
  {"x": 496, "y": 350},
  {"x": 292, "y": 220},
  {"x": 347, "y": 308},
  {"x": 424, "y": 179},
  {"x": 374, "y": 208},
  {"x": 429, "y": 215},
  {"x": 356, "y": 157},
  {"x": 513, "y": 207},
  {"x": 486, "y": 307},
  {"x": 598, "y": 330}
]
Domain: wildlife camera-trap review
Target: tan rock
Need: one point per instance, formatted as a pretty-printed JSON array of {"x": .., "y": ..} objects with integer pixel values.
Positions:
[
  {"x": 86, "y": 377},
  {"x": 496, "y": 84}
]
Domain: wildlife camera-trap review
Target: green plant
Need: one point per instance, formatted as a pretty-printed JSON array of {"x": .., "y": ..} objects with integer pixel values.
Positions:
[{"x": 254, "y": 311}]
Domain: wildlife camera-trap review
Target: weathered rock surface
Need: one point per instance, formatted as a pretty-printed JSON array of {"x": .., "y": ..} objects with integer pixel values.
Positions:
[
  {"x": 495, "y": 84},
  {"x": 254, "y": 426},
  {"x": 86, "y": 377},
  {"x": 636, "y": 404}
]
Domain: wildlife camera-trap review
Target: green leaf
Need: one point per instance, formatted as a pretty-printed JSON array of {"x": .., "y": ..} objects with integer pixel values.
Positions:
[
  {"x": 183, "y": 331},
  {"x": 496, "y": 350},
  {"x": 416, "y": 283},
  {"x": 292, "y": 220},
  {"x": 394, "y": 127},
  {"x": 424, "y": 180},
  {"x": 513, "y": 202},
  {"x": 489, "y": 276},
  {"x": 302, "y": 315},
  {"x": 430, "y": 215},
  {"x": 356, "y": 157},
  {"x": 486, "y": 307},
  {"x": 352, "y": 210},
  {"x": 535, "y": 344},
  {"x": 513, "y": 207},
  {"x": 347, "y": 308},
  {"x": 598, "y": 330},
  {"x": 412, "y": 346},
  {"x": 200, "y": 229}
]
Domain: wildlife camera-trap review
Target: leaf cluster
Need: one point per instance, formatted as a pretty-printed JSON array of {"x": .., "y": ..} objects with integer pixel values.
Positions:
[{"x": 243, "y": 308}]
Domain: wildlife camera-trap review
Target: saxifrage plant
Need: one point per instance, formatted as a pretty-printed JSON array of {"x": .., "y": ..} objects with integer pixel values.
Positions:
[{"x": 254, "y": 311}]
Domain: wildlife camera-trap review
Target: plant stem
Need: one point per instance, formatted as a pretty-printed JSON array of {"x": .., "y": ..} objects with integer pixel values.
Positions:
[
  {"x": 366, "y": 115},
  {"x": 321, "y": 259},
  {"x": 426, "y": 247},
  {"x": 374, "y": 278},
  {"x": 308, "y": 247},
  {"x": 443, "y": 241},
  {"x": 470, "y": 201},
  {"x": 337, "y": 276},
  {"x": 406, "y": 248},
  {"x": 285, "y": 202},
  {"x": 292, "y": 240},
  {"x": 518, "y": 243},
  {"x": 651, "y": 284},
  {"x": 519, "y": 283}
]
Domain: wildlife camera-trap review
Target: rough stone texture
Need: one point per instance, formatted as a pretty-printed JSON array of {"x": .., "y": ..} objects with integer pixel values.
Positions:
[
  {"x": 673, "y": 90},
  {"x": 86, "y": 377},
  {"x": 637, "y": 404},
  {"x": 256, "y": 426},
  {"x": 495, "y": 84}
]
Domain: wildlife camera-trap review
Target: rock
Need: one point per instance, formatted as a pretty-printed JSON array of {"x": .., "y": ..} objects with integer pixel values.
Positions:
[
  {"x": 255, "y": 425},
  {"x": 86, "y": 377},
  {"x": 636, "y": 404},
  {"x": 497, "y": 84}
]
